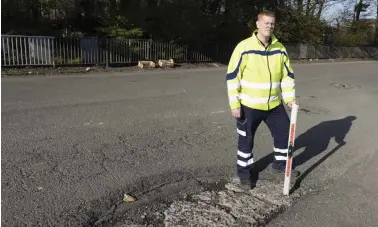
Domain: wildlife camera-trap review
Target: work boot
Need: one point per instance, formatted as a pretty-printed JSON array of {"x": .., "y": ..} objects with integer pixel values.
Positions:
[
  {"x": 247, "y": 184},
  {"x": 281, "y": 169}
]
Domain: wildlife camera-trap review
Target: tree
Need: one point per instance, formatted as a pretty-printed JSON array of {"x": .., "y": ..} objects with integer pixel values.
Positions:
[
  {"x": 191, "y": 21},
  {"x": 376, "y": 25},
  {"x": 361, "y": 6}
]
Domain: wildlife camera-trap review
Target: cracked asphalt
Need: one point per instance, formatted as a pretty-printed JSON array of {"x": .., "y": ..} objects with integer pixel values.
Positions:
[{"x": 73, "y": 145}]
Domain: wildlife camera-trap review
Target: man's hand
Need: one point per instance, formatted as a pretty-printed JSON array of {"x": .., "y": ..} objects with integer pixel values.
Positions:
[
  {"x": 290, "y": 104},
  {"x": 236, "y": 113}
]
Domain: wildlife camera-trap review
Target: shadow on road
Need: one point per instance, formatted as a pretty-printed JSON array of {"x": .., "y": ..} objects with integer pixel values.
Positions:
[{"x": 315, "y": 141}]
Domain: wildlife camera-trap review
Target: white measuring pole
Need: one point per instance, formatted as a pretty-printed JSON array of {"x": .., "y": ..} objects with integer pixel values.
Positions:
[{"x": 293, "y": 124}]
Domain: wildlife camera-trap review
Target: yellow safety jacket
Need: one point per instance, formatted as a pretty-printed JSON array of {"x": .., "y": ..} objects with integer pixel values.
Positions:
[{"x": 257, "y": 75}]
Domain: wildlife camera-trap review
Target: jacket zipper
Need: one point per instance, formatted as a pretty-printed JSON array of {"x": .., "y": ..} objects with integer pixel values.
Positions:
[{"x": 270, "y": 74}]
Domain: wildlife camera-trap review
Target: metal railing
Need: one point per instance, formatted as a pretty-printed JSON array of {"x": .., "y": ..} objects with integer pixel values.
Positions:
[
  {"x": 58, "y": 51},
  {"x": 303, "y": 51}
]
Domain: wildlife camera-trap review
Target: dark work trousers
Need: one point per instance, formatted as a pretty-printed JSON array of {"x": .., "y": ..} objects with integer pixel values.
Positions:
[{"x": 278, "y": 123}]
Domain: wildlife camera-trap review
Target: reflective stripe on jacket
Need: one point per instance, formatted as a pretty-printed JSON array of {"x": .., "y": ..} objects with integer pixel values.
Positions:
[{"x": 256, "y": 74}]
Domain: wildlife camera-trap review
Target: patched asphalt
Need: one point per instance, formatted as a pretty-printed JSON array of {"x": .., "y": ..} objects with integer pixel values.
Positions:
[{"x": 73, "y": 145}]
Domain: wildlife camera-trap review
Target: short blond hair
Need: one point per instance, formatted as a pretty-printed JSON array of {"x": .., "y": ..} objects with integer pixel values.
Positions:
[{"x": 265, "y": 13}]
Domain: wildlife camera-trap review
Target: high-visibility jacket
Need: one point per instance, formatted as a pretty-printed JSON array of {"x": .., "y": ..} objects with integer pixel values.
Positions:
[{"x": 258, "y": 76}]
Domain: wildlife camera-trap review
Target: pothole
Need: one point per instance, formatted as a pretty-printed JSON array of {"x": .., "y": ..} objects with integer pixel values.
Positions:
[
  {"x": 216, "y": 204},
  {"x": 313, "y": 110},
  {"x": 306, "y": 97},
  {"x": 229, "y": 207},
  {"x": 343, "y": 86},
  {"x": 304, "y": 110},
  {"x": 148, "y": 209}
]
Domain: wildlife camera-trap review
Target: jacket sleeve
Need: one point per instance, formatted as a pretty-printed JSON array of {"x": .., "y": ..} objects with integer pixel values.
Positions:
[
  {"x": 288, "y": 81},
  {"x": 235, "y": 70}
]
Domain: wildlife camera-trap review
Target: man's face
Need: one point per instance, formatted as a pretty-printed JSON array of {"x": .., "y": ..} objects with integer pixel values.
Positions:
[{"x": 265, "y": 25}]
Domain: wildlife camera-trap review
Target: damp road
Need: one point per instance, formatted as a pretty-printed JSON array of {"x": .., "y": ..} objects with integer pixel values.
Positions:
[{"x": 73, "y": 145}]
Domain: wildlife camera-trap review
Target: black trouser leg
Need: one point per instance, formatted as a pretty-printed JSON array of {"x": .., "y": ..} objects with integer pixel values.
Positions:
[
  {"x": 246, "y": 128},
  {"x": 278, "y": 123}
]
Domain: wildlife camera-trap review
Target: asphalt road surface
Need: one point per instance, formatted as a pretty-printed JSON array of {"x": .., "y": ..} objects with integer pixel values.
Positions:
[{"x": 73, "y": 145}]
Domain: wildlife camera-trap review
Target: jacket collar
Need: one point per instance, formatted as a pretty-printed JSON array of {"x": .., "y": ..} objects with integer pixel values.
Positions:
[{"x": 273, "y": 38}]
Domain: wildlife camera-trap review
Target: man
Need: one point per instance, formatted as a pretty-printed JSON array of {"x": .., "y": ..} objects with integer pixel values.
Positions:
[{"x": 258, "y": 69}]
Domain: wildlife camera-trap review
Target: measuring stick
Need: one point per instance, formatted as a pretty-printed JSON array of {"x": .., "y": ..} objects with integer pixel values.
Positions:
[{"x": 293, "y": 124}]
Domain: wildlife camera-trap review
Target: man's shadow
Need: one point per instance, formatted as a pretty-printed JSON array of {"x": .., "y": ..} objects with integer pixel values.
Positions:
[{"x": 315, "y": 141}]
